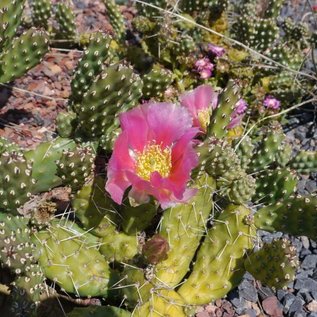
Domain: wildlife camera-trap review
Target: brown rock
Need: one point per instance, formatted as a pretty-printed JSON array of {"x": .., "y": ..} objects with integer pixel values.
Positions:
[{"x": 270, "y": 306}]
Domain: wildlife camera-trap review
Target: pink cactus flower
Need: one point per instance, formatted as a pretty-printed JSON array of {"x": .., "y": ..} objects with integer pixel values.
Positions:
[
  {"x": 204, "y": 67},
  {"x": 154, "y": 155},
  {"x": 271, "y": 103},
  {"x": 238, "y": 114},
  {"x": 217, "y": 51},
  {"x": 200, "y": 102}
]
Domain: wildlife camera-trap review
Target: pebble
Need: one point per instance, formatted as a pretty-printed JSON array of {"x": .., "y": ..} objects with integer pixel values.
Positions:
[
  {"x": 310, "y": 262},
  {"x": 271, "y": 307},
  {"x": 306, "y": 284},
  {"x": 296, "y": 307},
  {"x": 312, "y": 306},
  {"x": 248, "y": 291}
]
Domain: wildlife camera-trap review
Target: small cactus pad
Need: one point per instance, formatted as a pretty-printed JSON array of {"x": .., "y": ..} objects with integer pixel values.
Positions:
[
  {"x": 22, "y": 54},
  {"x": 116, "y": 18},
  {"x": 304, "y": 162},
  {"x": 43, "y": 159},
  {"x": 16, "y": 248},
  {"x": 162, "y": 303},
  {"x": 218, "y": 265},
  {"x": 221, "y": 116},
  {"x": 17, "y": 182},
  {"x": 183, "y": 226},
  {"x": 65, "y": 18},
  {"x": 69, "y": 257},
  {"x": 282, "y": 181},
  {"x": 41, "y": 12},
  {"x": 76, "y": 166},
  {"x": 275, "y": 264},
  {"x": 90, "y": 65},
  {"x": 295, "y": 215},
  {"x": 117, "y": 89}
]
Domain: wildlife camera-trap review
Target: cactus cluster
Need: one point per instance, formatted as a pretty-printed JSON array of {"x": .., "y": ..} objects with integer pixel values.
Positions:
[
  {"x": 164, "y": 199},
  {"x": 18, "y": 54}
]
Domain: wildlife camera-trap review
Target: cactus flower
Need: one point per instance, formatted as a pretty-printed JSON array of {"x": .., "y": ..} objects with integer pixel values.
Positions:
[
  {"x": 200, "y": 102},
  {"x": 154, "y": 155},
  {"x": 204, "y": 67},
  {"x": 217, "y": 51},
  {"x": 238, "y": 114},
  {"x": 271, "y": 103}
]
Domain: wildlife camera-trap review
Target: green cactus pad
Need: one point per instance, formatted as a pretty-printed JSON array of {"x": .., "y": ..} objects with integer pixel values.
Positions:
[
  {"x": 43, "y": 159},
  {"x": 118, "y": 246},
  {"x": 116, "y": 18},
  {"x": 10, "y": 17},
  {"x": 135, "y": 287},
  {"x": 183, "y": 226},
  {"x": 22, "y": 54},
  {"x": 117, "y": 89},
  {"x": 32, "y": 282},
  {"x": 70, "y": 258},
  {"x": 162, "y": 303},
  {"x": 219, "y": 263},
  {"x": 41, "y": 12},
  {"x": 156, "y": 82},
  {"x": 239, "y": 190},
  {"x": 272, "y": 186},
  {"x": 275, "y": 264},
  {"x": 244, "y": 150},
  {"x": 304, "y": 162},
  {"x": 95, "y": 210},
  {"x": 98, "y": 311},
  {"x": 65, "y": 124},
  {"x": 90, "y": 65},
  {"x": 76, "y": 166},
  {"x": 221, "y": 116},
  {"x": 65, "y": 18},
  {"x": 265, "y": 155},
  {"x": 16, "y": 248},
  {"x": 295, "y": 215},
  {"x": 17, "y": 183}
]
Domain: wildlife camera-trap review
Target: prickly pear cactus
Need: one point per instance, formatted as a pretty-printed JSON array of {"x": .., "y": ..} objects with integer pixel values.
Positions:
[
  {"x": 17, "y": 184},
  {"x": 17, "y": 249},
  {"x": 300, "y": 212},
  {"x": 76, "y": 166},
  {"x": 66, "y": 22},
  {"x": 183, "y": 226},
  {"x": 219, "y": 263},
  {"x": 69, "y": 257},
  {"x": 275, "y": 264},
  {"x": 221, "y": 116},
  {"x": 41, "y": 12},
  {"x": 21, "y": 54},
  {"x": 90, "y": 65}
]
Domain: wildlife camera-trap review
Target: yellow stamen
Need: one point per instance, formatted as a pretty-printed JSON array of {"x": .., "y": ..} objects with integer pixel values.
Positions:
[
  {"x": 204, "y": 118},
  {"x": 153, "y": 159}
]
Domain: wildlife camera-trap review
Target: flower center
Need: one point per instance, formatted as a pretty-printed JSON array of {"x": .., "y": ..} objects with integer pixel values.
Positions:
[
  {"x": 204, "y": 118},
  {"x": 153, "y": 159}
]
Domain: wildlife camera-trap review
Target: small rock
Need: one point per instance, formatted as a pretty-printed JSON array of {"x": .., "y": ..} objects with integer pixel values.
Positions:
[
  {"x": 310, "y": 262},
  {"x": 271, "y": 307},
  {"x": 306, "y": 284},
  {"x": 296, "y": 307},
  {"x": 280, "y": 294},
  {"x": 288, "y": 301},
  {"x": 312, "y": 306},
  {"x": 248, "y": 291},
  {"x": 305, "y": 242}
]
